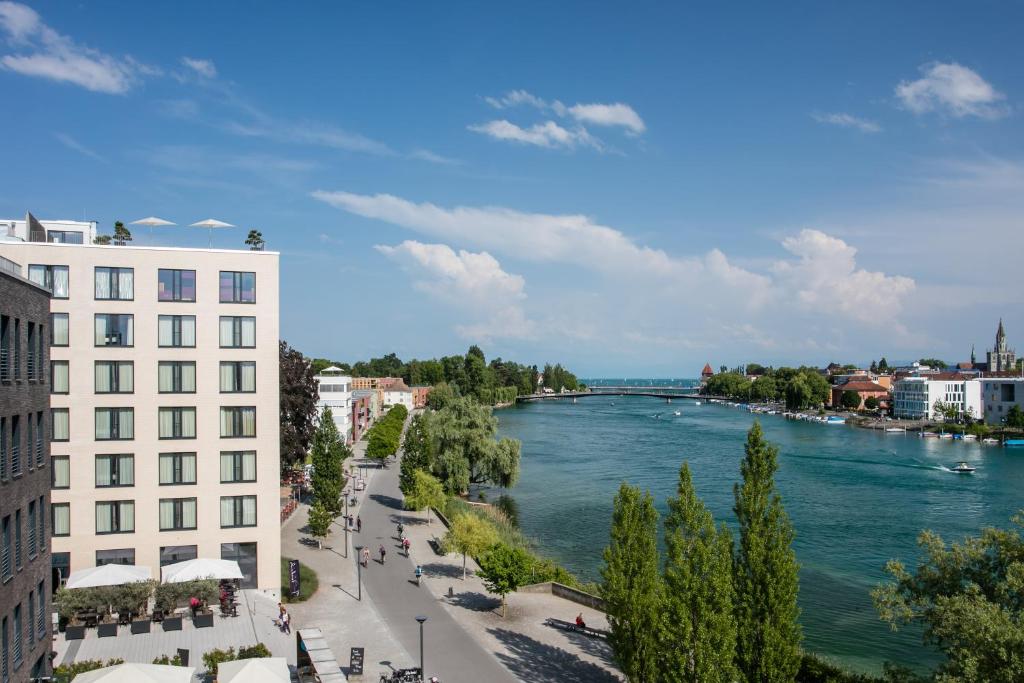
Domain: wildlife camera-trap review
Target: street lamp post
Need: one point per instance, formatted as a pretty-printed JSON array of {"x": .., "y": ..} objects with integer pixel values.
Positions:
[
  {"x": 345, "y": 495},
  {"x": 359, "y": 572},
  {"x": 421, "y": 619}
]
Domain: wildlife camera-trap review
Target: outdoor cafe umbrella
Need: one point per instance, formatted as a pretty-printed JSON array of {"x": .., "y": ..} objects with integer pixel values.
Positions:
[
  {"x": 261, "y": 670},
  {"x": 152, "y": 222},
  {"x": 212, "y": 223},
  {"x": 201, "y": 568},
  {"x": 138, "y": 673},
  {"x": 108, "y": 575}
]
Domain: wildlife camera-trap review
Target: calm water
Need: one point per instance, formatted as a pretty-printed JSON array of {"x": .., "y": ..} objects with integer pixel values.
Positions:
[{"x": 857, "y": 498}]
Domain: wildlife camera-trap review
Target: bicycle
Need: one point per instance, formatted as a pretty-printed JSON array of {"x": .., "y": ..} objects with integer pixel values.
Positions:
[{"x": 402, "y": 676}]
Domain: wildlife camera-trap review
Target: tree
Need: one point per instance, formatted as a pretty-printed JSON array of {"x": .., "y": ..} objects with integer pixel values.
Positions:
[
  {"x": 101, "y": 239},
  {"x": 299, "y": 394},
  {"x": 968, "y": 598},
  {"x": 764, "y": 388},
  {"x": 698, "y": 592},
  {"x": 121, "y": 234},
  {"x": 255, "y": 240},
  {"x": 933, "y": 363},
  {"x": 631, "y": 587},
  {"x": 872, "y": 403},
  {"x": 470, "y": 535},
  {"x": 1015, "y": 417},
  {"x": 764, "y": 570},
  {"x": 850, "y": 400},
  {"x": 874, "y": 367},
  {"x": 427, "y": 493},
  {"x": 441, "y": 395},
  {"x": 883, "y": 365},
  {"x": 384, "y": 436},
  {"x": 503, "y": 570},
  {"x": 798, "y": 394},
  {"x": 415, "y": 454},
  {"x": 320, "y": 519},
  {"x": 327, "y": 455},
  {"x": 464, "y": 450}
]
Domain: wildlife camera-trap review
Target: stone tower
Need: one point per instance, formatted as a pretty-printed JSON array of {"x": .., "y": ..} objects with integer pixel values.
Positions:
[{"x": 1001, "y": 358}]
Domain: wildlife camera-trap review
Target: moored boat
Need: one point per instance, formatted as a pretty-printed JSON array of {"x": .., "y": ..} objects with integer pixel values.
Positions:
[
  {"x": 1014, "y": 442},
  {"x": 990, "y": 441},
  {"x": 970, "y": 437},
  {"x": 894, "y": 430},
  {"x": 928, "y": 435}
]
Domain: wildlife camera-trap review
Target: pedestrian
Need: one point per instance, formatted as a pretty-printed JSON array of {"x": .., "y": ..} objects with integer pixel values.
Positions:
[
  {"x": 286, "y": 622},
  {"x": 405, "y": 545},
  {"x": 366, "y": 557},
  {"x": 359, "y": 523},
  {"x": 419, "y": 574},
  {"x": 194, "y": 604},
  {"x": 383, "y": 553},
  {"x": 400, "y": 529}
]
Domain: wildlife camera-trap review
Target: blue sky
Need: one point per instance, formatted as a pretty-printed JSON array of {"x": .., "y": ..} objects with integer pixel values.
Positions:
[{"x": 625, "y": 189}]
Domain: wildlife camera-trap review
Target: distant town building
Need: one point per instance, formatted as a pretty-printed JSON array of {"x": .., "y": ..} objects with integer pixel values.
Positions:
[
  {"x": 864, "y": 388},
  {"x": 25, "y": 427},
  {"x": 1001, "y": 358},
  {"x": 32, "y": 229},
  {"x": 335, "y": 389},
  {"x": 419, "y": 396},
  {"x": 1000, "y": 395},
  {"x": 915, "y": 398},
  {"x": 707, "y": 373},
  {"x": 362, "y": 412},
  {"x": 397, "y": 393}
]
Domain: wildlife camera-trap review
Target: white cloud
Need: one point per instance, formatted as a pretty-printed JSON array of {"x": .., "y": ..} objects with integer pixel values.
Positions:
[
  {"x": 71, "y": 143},
  {"x": 45, "y": 53},
  {"x": 472, "y": 282},
  {"x": 847, "y": 121},
  {"x": 433, "y": 157},
  {"x": 203, "y": 67},
  {"x": 308, "y": 133},
  {"x": 951, "y": 88},
  {"x": 515, "y": 98},
  {"x": 617, "y": 114},
  {"x": 548, "y": 134}
]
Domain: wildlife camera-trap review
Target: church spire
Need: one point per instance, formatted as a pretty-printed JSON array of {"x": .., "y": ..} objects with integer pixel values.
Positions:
[
  {"x": 973, "y": 359},
  {"x": 1000, "y": 337}
]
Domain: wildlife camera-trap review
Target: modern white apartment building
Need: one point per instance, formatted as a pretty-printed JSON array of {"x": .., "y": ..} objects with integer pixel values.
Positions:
[
  {"x": 999, "y": 394},
  {"x": 914, "y": 398},
  {"x": 31, "y": 229},
  {"x": 164, "y": 406},
  {"x": 336, "y": 393}
]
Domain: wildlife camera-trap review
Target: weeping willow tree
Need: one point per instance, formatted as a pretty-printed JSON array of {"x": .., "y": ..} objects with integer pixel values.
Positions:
[{"x": 464, "y": 450}]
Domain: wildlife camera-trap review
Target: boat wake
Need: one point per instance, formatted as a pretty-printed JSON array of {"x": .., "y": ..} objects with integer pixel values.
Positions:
[{"x": 916, "y": 465}]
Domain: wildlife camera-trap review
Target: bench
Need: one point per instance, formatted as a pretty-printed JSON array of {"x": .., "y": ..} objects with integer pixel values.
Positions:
[
  {"x": 435, "y": 544},
  {"x": 571, "y": 626}
]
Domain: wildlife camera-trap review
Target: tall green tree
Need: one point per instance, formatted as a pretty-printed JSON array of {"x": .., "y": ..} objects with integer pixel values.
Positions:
[
  {"x": 969, "y": 598},
  {"x": 698, "y": 631},
  {"x": 764, "y": 571},
  {"x": 503, "y": 570},
  {"x": 327, "y": 454},
  {"x": 850, "y": 400},
  {"x": 469, "y": 534},
  {"x": 426, "y": 493},
  {"x": 415, "y": 454},
  {"x": 632, "y": 588},
  {"x": 298, "y": 396}
]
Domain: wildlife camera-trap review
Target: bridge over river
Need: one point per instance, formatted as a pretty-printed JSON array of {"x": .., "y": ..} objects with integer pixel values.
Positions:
[{"x": 667, "y": 392}]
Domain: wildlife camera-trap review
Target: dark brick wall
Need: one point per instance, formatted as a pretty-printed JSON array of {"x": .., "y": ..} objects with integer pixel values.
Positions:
[{"x": 25, "y": 395}]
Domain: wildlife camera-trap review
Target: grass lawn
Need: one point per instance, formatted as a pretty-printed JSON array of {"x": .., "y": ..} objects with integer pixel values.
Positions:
[{"x": 308, "y": 582}]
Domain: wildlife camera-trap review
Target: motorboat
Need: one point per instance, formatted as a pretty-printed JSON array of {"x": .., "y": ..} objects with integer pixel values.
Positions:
[
  {"x": 970, "y": 437},
  {"x": 945, "y": 435},
  {"x": 696, "y": 403},
  {"x": 835, "y": 420},
  {"x": 962, "y": 468},
  {"x": 677, "y": 413},
  {"x": 928, "y": 435},
  {"x": 894, "y": 430},
  {"x": 990, "y": 441}
]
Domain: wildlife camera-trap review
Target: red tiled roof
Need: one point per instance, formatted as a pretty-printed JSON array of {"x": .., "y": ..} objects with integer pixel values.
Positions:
[
  {"x": 707, "y": 369},
  {"x": 862, "y": 386}
]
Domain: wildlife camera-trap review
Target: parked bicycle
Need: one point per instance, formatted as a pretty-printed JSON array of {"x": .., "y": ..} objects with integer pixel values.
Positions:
[{"x": 402, "y": 676}]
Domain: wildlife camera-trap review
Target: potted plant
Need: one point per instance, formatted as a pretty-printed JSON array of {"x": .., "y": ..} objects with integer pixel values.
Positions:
[
  {"x": 130, "y": 602},
  {"x": 167, "y": 596},
  {"x": 206, "y": 591},
  {"x": 69, "y": 603}
]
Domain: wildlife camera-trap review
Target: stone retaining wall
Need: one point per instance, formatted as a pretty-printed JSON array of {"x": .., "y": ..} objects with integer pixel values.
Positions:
[{"x": 567, "y": 593}]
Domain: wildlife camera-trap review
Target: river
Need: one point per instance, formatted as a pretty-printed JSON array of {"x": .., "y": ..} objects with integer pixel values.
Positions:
[{"x": 856, "y": 497}]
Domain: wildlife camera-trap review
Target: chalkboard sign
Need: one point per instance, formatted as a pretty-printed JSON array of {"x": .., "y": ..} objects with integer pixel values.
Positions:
[
  {"x": 293, "y": 577},
  {"x": 355, "y": 662}
]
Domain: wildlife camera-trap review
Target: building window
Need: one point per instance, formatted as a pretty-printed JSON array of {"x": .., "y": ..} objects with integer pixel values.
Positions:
[
  {"x": 115, "y": 284},
  {"x": 115, "y": 517},
  {"x": 115, "y": 556},
  {"x": 5, "y": 657},
  {"x": 60, "y": 424},
  {"x": 17, "y": 349},
  {"x": 32, "y": 368},
  {"x": 177, "y": 514},
  {"x": 15, "y": 445},
  {"x": 65, "y": 236},
  {"x": 59, "y": 330},
  {"x": 172, "y": 554},
  {"x": 61, "y": 514},
  {"x": 237, "y": 332},
  {"x": 176, "y": 285},
  {"x": 237, "y": 288},
  {"x": 60, "y": 377},
  {"x": 115, "y": 329},
  {"x": 115, "y": 470},
  {"x": 176, "y": 331},
  {"x": 177, "y": 468},
  {"x": 6, "y": 339},
  {"x": 53, "y": 278},
  {"x": 31, "y": 522},
  {"x": 236, "y": 511},
  {"x": 236, "y": 422},
  {"x": 60, "y": 477},
  {"x": 6, "y": 562},
  {"x": 115, "y": 377},
  {"x": 113, "y": 424},
  {"x": 18, "y": 636},
  {"x": 237, "y": 377},
  {"x": 237, "y": 466},
  {"x": 177, "y": 423},
  {"x": 245, "y": 555},
  {"x": 176, "y": 377},
  {"x": 4, "y": 449},
  {"x": 41, "y": 512},
  {"x": 41, "y": 611},
  {"x": 40, "y": 430},
  {"x": 29, "y": 438},
  {"x": 18, "y": 558},
  {"x": 31, "y": 620}
]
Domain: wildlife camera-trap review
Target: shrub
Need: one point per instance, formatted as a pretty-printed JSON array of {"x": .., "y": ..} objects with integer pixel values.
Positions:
[
  {"x": 256, "y": 651},
  {"x": 67, "y": 672},
  {"x": 216, "y": 657},
  {"x": 168, "y": 660}
]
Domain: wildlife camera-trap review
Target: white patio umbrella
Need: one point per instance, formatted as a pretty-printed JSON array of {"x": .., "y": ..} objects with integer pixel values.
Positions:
[
  {"x": 152, "y": 222},
  {"x": 211, "y": 223},
  {"x": 262, "y": 670},
  {"x": 108, "y": 575},
  {"x": 201, "y": 568},
  {"x": 138, "y": 673}
]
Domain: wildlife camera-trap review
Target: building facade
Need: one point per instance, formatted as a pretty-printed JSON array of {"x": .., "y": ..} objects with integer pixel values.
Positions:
[
  {"x": 915, "y": 398},
  {"x": 397, "y": 394},
  {"x": 1001, "y": 358},
  {"x": 999, "y": 395},
  {"x": 362, "y": 412},
  {"x": 865, "y": 389},
  {"x": 335, "y": 392},
  {"x": 164, "y": 397},
  {"x": 25, "y": 423},
  {"x": 420, "y": 395},
  {"x": 33, "y": 230}
]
